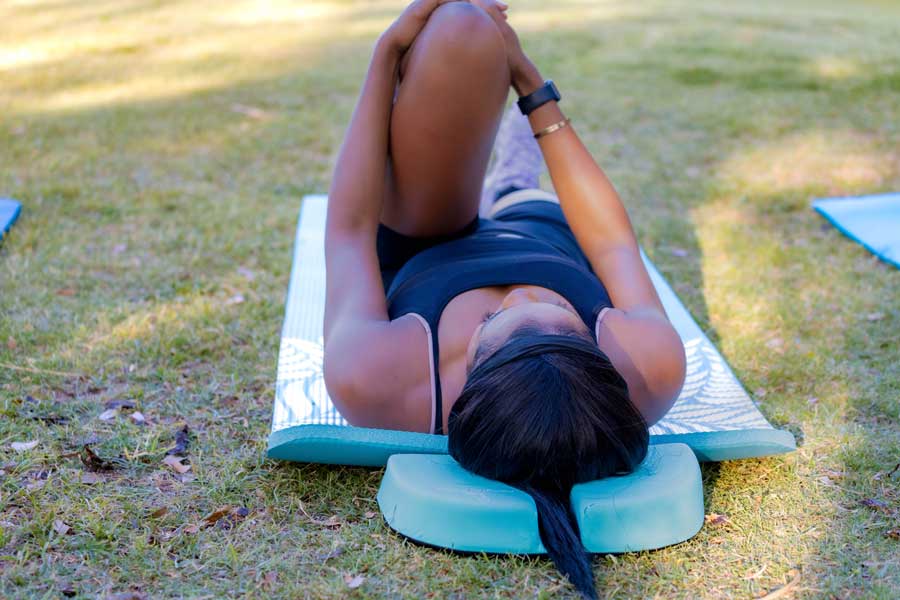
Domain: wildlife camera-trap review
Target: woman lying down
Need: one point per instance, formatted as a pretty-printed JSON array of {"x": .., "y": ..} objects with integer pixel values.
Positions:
[{"x": 532, "y": 336}]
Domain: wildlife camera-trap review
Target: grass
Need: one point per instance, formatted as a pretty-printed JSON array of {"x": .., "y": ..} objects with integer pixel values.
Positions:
[{"x": 161, "y": 149}]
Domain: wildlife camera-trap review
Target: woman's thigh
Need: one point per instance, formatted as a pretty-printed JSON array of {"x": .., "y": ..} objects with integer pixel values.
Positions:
[{"x": 453, "y": 89}]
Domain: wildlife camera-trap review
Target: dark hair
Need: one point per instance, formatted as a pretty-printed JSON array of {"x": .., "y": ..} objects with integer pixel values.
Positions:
[{"x": 542, "y": 413}]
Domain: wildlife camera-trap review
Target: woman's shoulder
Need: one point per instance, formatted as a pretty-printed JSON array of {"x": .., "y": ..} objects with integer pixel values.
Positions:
[{"x": 384, "y": 380}]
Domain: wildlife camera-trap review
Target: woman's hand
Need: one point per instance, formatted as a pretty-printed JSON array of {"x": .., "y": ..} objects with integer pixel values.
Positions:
[
  {"x": 400, "y": 35},
  {"x": 519, "y": 64}
]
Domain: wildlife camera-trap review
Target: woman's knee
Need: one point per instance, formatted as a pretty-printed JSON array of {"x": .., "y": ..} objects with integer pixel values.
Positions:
[{"x": 459, "y": 36}]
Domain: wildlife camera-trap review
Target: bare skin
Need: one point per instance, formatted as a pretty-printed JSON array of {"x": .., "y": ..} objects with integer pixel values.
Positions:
[{"x": 421, "y": 136}]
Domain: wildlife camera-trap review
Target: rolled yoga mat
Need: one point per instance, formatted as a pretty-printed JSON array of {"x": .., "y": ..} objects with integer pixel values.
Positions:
[
  {"x": 714, "y": 415},
  {"x": 873, "y": 221}
]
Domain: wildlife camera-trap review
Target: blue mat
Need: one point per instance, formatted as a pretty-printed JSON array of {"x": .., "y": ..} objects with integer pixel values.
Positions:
[
  {"x": 9, "y": 212},
  {"x": 714, "y": 415},
  {"x": 873, "y": 221}
]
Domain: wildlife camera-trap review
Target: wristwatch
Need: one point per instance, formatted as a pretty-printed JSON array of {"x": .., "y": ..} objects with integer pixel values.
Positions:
[{"x": 542, "y": 95}]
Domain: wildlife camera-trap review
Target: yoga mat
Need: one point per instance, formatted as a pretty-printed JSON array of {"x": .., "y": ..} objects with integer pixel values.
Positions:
[
  {"x": 714, "y": 415},
  {"x": 873, "y": 221},
  {"x": 9, "y": 212}
]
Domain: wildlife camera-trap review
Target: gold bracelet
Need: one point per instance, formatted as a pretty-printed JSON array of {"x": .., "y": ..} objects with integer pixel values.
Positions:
[{"x": 552, "y": 128}]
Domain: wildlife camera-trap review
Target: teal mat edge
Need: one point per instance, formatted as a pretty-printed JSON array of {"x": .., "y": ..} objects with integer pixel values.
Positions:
[
  {"x": 11, "y": 220},
  {"x": 820, "y": 206},
  {"x": 360, "y": 446}
]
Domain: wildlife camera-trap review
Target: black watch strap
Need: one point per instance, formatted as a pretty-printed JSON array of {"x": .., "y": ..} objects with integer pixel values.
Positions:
[{"x": 542, "y": 95}]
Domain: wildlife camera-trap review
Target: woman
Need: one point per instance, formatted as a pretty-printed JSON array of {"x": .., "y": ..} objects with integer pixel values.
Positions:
[{"x": 533, "y": 338}]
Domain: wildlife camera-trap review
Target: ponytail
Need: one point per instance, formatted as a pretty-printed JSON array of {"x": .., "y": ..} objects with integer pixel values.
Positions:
[
  {"x": 559, "y": 533},
  {"x": 542, "y": 413}
]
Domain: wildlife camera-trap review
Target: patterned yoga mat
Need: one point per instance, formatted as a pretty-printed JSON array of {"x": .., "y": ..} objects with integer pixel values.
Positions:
[{"x": 714, "y": 414}]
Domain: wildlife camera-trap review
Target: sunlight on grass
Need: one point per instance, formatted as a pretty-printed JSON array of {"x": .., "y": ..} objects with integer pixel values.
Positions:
[
  {"x": 190, "y": 48},
  {"x": 826, "y": 161},
  {"x": 836, "y": 67},
  {"x": 580, "y": 14},
  {"x": 181, "y": 50},
  {"x": 279, "y": 12},
  {"x": 162, "y": 319}
]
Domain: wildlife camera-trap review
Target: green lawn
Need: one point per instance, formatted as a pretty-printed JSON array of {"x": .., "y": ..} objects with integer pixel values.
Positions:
[{"x": 161, "y": 150}]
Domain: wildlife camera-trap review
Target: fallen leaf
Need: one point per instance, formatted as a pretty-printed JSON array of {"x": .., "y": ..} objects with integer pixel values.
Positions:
[
  {"x": 109, "y": 414},
  {"x": 186, "y": 477},
  {"x": 353, "y": 581},
  {"x": 174, "y": 462},
  {"x": 270, "y": 579},
  {"x": 192, "y": 528},
  {"x": 370, "y": 514},
  {"x": 233, "y": 518},
  {"x": 93, "y": 462},
  {"x": 893, "y": 534},
  {"x": 118, "y": 404},
  {"x": 11, "y": 343},
  {"x": 875, "y": 316},
  {"x": 61, "y": 528},
  {"x": 65, "y": 292},
  {"x": 834, "y": 475},
  {"x": 158, "y": 512},
  {"x": 716, "y": 519},
  {"x": 182, "y": 438},
  {"x": 217, "y": 514},
  {"x": 332, "y": 522},
  {"x": 23, "y": 446},
  {"x": 90, "y": 478},
  {"x": 874, "y": 504},
  {"x": 138, "y": 417},
  {"x": 226, "y": 517}
]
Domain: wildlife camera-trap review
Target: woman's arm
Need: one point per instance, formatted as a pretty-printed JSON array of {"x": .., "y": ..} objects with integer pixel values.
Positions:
[
  {"x": 638, "y": 337},
  {"x": 589, "y": 201},
  {"x": 640, "y": 341},
  {"x": 355, "y": 199},
  {"x": 362, "y": 347},
  {"x": 592, "y": 206},
  {"x": 356, "y": 316}
]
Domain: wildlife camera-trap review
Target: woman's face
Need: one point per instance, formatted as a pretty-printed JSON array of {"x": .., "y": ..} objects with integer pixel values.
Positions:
[{"x": 522, "y": 306}]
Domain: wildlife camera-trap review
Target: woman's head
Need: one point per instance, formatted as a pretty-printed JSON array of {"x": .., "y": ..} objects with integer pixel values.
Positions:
[{"x": 542, "y": 410}]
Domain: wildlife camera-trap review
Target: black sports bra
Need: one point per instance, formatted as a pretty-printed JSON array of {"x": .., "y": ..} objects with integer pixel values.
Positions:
[{"x": 497, "y": 253}]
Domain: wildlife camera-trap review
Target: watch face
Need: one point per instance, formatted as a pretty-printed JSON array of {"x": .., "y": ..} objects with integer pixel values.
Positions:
[{"x": 553, "y": 88}]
